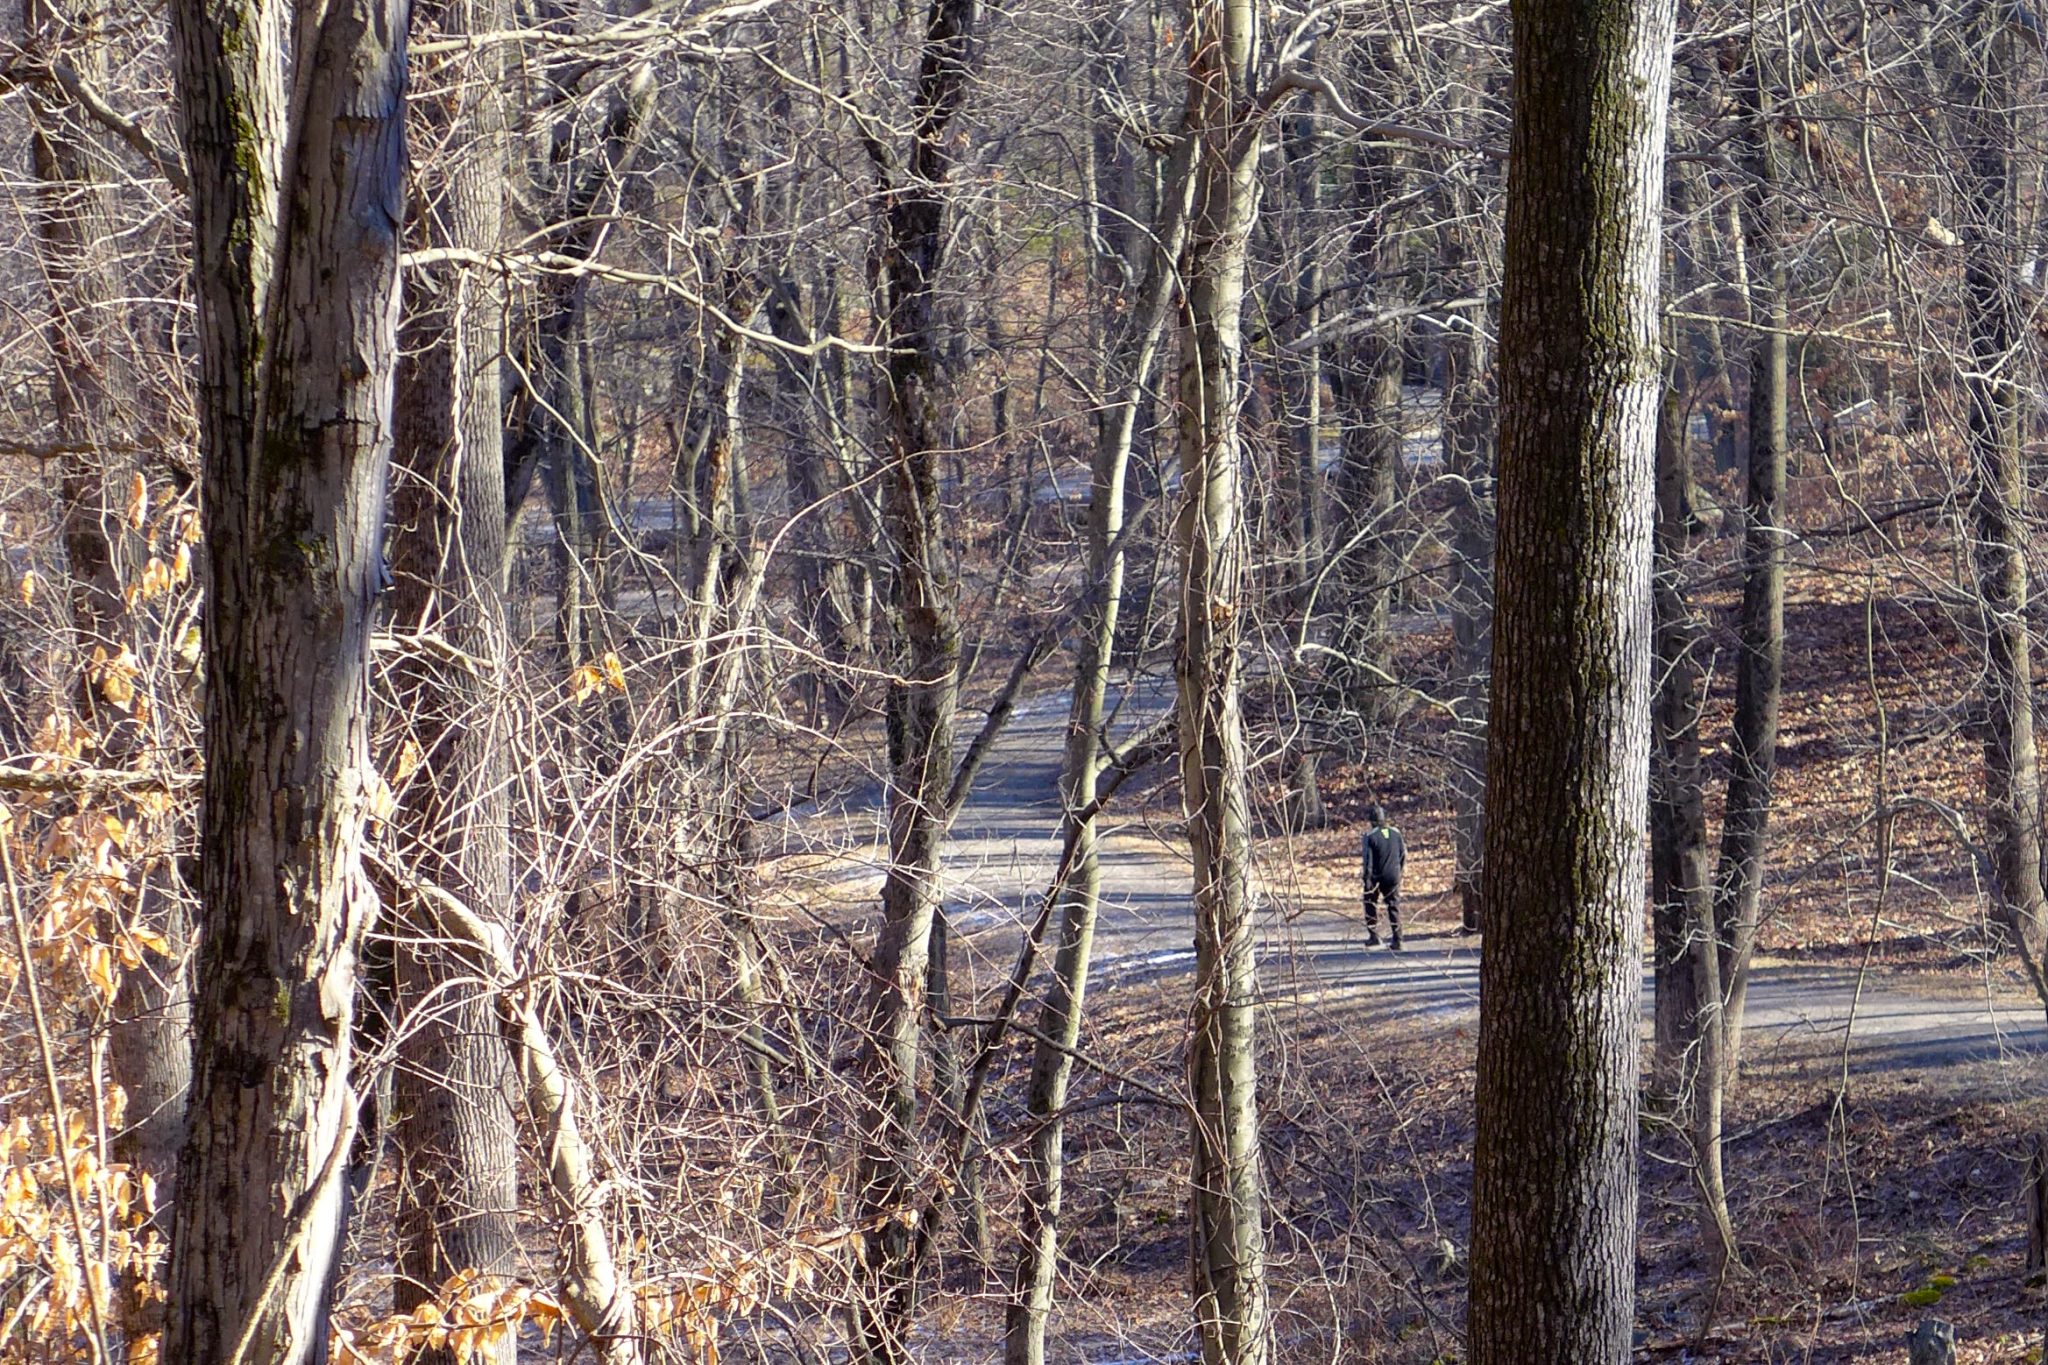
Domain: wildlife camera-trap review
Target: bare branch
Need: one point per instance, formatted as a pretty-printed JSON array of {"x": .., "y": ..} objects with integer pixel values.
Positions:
[
  {"x": 1293, "y": 78},
  {"x": 82, "y": 781}
]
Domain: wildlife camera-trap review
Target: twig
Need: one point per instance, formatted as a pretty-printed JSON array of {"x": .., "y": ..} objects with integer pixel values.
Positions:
[
  {"x": 61, "y": 1135},
  {"x": 78, "y": 781},
  {"x": 82, "y": 93},
  {"x": 1149, "y": 745},
  {"x": 1294, "y": 78},
  {"x": 296, "y": 1228},
  {"x": 602, "y": 1306},
  {"x": 577, "y": 267}
]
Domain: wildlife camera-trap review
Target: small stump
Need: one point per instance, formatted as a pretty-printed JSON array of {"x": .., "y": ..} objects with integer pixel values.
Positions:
[{"x": 1933, "y": 1343}]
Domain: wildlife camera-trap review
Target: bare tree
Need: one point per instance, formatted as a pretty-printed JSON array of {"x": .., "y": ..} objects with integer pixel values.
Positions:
[
  {"x": 297, "y": 198},
  {"x": 92, "y": 411},
  {"x": 1226, "y": 1194},
  {"x": 1136, "y": 337},
  {"x": 924, "y": 694},
  {"x": 1554, "y": 1162},
  {"x": 1981, "y": 60},
  {"x": 458, "y": 1185}
]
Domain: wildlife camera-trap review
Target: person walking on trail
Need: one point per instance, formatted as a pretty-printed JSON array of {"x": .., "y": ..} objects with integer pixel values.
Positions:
[{"x": 1381, "y": 858}]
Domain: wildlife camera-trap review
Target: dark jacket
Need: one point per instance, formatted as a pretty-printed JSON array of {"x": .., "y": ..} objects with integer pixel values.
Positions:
[{"x": 1383, "y": 855}]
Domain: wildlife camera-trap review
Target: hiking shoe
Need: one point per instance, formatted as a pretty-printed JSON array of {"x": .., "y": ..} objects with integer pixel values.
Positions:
[
  {"x": 1372, "y": 938},
  {"x": 1395, "y": 946}
]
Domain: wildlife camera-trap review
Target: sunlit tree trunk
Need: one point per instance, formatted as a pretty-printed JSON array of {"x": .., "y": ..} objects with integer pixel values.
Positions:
[
  {"x": 1554, "y": 1164},
  {"x": 1226, "y": 1195},
  {"x": 1135, "y": 351},
  {"x": 924, "y": 694},
  {"x": 296, "y": 284},
  {"x": 458, "y": 1186}
]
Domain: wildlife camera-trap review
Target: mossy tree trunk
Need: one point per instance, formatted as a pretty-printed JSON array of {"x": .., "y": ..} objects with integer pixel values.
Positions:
[{"x": 297, "y": 289}]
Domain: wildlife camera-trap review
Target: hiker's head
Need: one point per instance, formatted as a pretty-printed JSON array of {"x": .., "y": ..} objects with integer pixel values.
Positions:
[{"x": 1376, "y": 813}]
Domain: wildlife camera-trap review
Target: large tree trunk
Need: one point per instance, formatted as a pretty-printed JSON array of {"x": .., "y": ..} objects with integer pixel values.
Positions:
[
  {"x": 1983, "y": 64},
  {"x": 923, "y": 695},
  {"x": 150, "y": 1044},
  {"x": 1226, "y": 1195},
  {"x": 1554, "y": 1162},
  {"x": 458, "y": 1184},
  {"x": 296, "y": 283}
]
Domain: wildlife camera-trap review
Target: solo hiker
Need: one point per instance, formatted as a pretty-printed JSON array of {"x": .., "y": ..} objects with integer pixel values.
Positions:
[{"x": 1381, "y": 858}]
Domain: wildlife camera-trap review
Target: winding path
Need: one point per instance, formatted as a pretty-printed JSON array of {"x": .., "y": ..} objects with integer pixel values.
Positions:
[{"x": 1004, "y": 847}]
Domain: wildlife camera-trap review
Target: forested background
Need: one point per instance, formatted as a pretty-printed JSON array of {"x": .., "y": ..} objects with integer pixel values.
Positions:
[{"x": 809, "y": 425}]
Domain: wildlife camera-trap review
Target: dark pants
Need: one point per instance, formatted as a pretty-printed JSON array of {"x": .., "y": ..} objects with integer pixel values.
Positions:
[{"x": 1390, "y": 892}]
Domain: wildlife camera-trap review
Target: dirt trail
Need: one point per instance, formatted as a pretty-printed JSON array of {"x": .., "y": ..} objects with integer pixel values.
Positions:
[{"x": 1004, "y": 847}]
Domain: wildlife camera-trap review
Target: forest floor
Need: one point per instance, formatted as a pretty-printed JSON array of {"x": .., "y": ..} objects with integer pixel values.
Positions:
[{"x": 1877, "y": 1144}]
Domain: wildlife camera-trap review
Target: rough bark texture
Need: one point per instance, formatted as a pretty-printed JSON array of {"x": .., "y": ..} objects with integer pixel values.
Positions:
[
  {"x": 458, "y": 1185},
  {"x": 297, "y": 291},
  {"x": 1554, "y": 1165},
  {"x": 924, "y": 695},
  {"x": 1226, "y": 1196},
  {"x": 1983, "y": 61}
]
